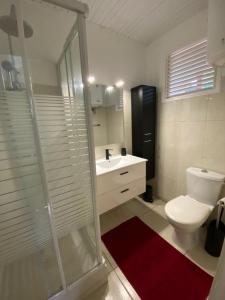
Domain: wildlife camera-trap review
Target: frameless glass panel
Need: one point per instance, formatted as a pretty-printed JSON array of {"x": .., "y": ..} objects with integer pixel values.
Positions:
[{"x": 28, "y": 265}]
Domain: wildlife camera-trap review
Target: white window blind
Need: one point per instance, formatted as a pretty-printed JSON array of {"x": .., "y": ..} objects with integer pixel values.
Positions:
[{"x": 189, "y": 71}]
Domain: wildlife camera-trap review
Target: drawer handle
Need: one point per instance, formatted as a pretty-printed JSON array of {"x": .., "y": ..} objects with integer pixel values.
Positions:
[
  {"x": 126, "y": 190},
  {"x": 124, "y": 173}
]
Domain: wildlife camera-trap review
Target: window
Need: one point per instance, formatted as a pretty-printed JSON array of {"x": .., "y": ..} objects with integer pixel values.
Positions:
[{"x": 189, "y": 71}]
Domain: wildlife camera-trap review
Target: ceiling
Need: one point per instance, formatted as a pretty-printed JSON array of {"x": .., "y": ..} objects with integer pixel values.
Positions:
[{"x": 142, "y": 20}]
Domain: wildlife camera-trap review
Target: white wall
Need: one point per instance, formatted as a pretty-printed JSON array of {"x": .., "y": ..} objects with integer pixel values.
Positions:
[
  {"x": 112, "y": 57},
  {"x": 43, "y": 72},
  {"x": 190, "y": 132},
  {"x": 188, "y": 32}
]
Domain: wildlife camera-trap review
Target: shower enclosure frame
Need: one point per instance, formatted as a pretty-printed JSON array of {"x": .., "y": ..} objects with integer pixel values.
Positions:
[{"x": 97, "y": 275}]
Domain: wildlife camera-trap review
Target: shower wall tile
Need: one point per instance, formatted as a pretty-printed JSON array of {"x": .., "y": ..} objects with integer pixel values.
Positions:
[
  {"x": 100, "y": 126},
  {"x": 100, "y": 150},
  {"x": 216, "y": 107},
  {"x": 168, "y": 112},
  {"x": 214, "y": 147}
]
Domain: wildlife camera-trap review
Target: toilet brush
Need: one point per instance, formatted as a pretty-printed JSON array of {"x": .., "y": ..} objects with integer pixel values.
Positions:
[{"x": 221, "y": 204}]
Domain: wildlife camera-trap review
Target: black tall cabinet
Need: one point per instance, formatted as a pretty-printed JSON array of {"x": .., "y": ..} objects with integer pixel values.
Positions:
[{"x": 143, "y": 100}]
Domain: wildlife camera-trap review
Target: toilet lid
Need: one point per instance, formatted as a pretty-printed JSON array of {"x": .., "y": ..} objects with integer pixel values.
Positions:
[{"x": 187, "y": 210}]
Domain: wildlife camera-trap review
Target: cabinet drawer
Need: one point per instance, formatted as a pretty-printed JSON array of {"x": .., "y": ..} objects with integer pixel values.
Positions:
[
  {"x": 110, "y": 181},
  {"x": 120, "y": 195}
]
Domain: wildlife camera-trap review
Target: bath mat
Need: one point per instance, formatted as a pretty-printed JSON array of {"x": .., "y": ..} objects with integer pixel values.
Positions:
[{"x": 155, "y": 269}]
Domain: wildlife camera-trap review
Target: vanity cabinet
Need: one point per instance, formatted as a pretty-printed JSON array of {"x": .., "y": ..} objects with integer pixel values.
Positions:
[
  {"x": 121, "y": 185},
  {"x": 216, "y": 32}
]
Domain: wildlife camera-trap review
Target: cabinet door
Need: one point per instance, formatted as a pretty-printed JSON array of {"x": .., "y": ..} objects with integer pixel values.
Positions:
[
  {"x": 149, "y": 154},
  {"x": 149, "y": 123},
  {"x": 137, "y": 120},
  {"x": 149, "y": 110}
]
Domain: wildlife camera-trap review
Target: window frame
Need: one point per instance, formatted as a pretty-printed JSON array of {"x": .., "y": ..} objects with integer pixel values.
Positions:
[{"x": 194, "y": 94}]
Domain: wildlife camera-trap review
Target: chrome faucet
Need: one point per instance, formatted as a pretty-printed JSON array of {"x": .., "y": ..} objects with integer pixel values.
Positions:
[{"x": 107, "y": 154}]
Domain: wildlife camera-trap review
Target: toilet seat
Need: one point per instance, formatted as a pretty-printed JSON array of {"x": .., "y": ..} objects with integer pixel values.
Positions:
[{"x": 187, "y": 213}]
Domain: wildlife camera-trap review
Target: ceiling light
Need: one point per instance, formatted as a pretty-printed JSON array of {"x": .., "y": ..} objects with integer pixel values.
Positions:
[
  {"x": 110, "y": 88},
  {"x": 120, "y": 83},
  {"x": 91, "y": 79}
]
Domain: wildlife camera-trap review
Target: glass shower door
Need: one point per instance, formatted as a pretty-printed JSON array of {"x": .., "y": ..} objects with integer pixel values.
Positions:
[
  {"x": 63, "y": 136},
  {"x": 25, "y": 230}
]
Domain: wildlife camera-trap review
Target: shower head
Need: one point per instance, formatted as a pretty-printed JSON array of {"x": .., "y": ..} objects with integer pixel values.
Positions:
[
  {"x": 7, "y": 66},
  {"x": 9, "y": 24}
]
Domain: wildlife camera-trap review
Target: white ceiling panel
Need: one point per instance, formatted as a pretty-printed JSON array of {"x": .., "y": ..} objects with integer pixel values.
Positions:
[{"x": 142, "y": 20}]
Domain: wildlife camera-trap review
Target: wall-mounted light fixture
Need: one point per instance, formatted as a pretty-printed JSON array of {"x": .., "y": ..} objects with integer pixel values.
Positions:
[
  {"x": 119, "y": 83},
  {"x": 110, "y": 88},
  {"x": 91, "y": 79}
]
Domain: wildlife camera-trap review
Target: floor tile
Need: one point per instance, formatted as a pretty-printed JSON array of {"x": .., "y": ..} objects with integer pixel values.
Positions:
[
  {"x": 154, "y": 221},
  {"x": 149, "y": 205},
  {"x": 107, "y": 222},
  {"x": 108, "y": 256},
  {"x": 107, "y": 263},
  {"x": 127, "y": 284},
  {"x": 205, "y": 261},
  {"x": 136, "y": 207},
  {"x": 112, "y": 290},
  {"x": 159, "y": 207},
  {"x": 121, "y": 214},
  {"x": 168, "y": 234}
]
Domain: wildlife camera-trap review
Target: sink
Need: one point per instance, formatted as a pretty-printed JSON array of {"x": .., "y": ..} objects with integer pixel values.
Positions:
[
  {"x": 116, "y": 162},
  {"x": 106, "y": 164}
]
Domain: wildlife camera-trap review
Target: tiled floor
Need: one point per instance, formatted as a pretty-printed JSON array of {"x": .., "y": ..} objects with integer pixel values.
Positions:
[{"x": 118, "y": 287}]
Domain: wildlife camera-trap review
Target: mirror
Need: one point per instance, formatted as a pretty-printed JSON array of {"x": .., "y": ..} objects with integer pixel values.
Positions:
[{"x": 107, "y": 110}]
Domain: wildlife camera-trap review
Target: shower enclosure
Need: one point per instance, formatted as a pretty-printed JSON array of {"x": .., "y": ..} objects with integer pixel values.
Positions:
[{"x": 49, "y": 228}]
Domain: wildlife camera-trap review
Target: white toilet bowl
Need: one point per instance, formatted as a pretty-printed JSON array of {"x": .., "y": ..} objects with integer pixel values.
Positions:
[{"x": 188, "y": 213}]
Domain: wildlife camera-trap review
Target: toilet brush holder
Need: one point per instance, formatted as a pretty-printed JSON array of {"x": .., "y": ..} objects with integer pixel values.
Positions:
[
  {"x": 215, "y": 238},
  {"x": 216, "y": 232}
]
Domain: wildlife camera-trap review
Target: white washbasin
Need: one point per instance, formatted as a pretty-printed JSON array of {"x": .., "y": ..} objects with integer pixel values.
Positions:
[
  {"x": 116, "y": 162},
  {"x": 106, "y": 164}
]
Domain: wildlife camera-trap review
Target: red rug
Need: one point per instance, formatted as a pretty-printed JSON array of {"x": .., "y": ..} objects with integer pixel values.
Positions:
[{"x": 156, "y": 270}]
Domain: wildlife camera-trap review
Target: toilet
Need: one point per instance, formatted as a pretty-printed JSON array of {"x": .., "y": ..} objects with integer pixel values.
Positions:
[{"x": 188, "y": 213}]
